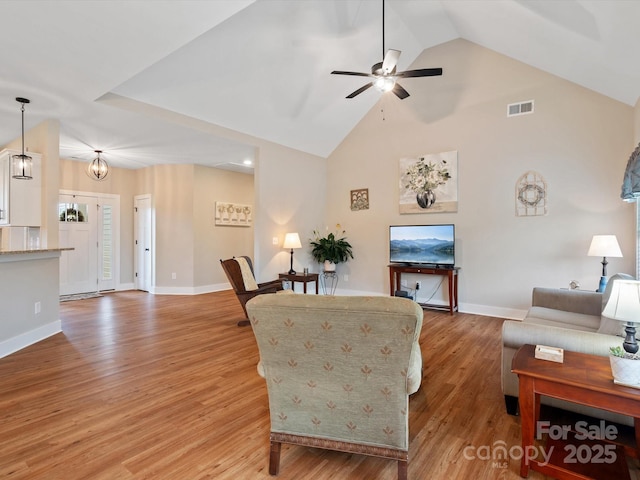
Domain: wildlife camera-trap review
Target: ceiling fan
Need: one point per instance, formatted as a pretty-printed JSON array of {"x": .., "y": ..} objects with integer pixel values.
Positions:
[{"x": 385, "y": 75}]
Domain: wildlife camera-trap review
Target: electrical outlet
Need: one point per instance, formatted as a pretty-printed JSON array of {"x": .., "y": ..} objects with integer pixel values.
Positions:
[
  {"x": 173, "y": 276},
  {"x": 275, "y": 240},
  {"x": 345, "y": 277},
  {"x": 37, "y": 308},
  {"x": 403, "y": 283},
  {"x": 418, "y": 285}
]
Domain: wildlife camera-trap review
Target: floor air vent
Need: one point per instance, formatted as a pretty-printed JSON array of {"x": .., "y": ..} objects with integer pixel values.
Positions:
[{"x": 520, "y": 108}]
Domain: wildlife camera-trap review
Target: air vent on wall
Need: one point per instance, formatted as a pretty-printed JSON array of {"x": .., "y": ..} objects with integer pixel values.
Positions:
[{"x": 520, "y": 108}]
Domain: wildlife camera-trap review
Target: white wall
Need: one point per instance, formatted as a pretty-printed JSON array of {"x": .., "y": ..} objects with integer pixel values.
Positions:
[
  {"x": 579, "y": 141},
  {"x": 27, "y": 279},
  {"x": 215, "y": 242},
  {"x": 290, "y": 197}
]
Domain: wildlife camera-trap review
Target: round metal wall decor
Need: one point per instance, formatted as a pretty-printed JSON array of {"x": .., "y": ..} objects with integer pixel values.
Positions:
[{"x": 531, "y": 195}]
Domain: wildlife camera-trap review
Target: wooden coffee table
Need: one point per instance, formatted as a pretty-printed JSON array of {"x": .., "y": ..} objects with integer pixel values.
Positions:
[{"x": 584, "y": 379}]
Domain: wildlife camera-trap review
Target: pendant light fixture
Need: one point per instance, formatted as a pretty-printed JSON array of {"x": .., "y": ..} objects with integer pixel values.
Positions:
[
  {"x": 98, "y": 169},
  {"x": 22, "y": 164}
]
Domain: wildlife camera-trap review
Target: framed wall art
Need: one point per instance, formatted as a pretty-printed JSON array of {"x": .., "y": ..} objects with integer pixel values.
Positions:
[
  {"x": 233, "y": 214},
  {"x": 429, "y": 183},
  {"x": 531, "y": 195},
  {"x": 360, "y": 199}
]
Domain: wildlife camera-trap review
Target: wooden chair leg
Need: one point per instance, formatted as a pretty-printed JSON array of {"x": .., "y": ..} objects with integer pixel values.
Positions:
[
  {"x": 274, "y": 458},
  {"x": 402, "y": 470}
]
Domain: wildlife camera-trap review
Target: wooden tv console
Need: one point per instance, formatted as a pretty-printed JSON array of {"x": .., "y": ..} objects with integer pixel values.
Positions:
[{"x": 397, "y": 269}]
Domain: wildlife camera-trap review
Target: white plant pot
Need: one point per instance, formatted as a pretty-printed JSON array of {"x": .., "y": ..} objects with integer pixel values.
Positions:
[
  {"x": 329, "y": 266},
  {"x": 625, "y": 370}
]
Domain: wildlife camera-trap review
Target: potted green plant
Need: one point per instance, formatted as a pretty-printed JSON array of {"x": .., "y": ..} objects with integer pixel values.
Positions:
[
  {"x": 625, "y": 366},
  {"x": 331, "y": 249}
]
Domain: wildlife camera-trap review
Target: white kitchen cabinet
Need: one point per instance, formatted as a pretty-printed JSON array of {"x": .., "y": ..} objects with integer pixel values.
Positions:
[{"x": 20, "y": 200}]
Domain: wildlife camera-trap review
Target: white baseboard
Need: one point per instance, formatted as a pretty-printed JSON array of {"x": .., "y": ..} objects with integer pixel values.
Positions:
[
  {"x": 25, "y": 339},
  {"x": 484, "y": 310},
  {"x": 216, "y": 287},
  {"x": 489, "y": 311}
]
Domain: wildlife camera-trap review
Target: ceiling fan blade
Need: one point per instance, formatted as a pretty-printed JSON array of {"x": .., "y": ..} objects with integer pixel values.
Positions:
[
  {"x": 390, "y": 60},
  {"x": 400, "y": 92},
  {"x": 360, "y": 90},
  {"x": 357, "y": 74},
  {"x": 423, "y": 72}
]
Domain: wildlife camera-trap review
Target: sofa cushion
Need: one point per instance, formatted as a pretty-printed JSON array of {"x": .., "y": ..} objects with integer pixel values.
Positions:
[{"x": 560, "y": 318}]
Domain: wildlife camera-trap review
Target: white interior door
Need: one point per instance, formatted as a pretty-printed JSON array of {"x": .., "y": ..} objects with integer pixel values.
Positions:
[
  {"x": 144, "y": 254},
  {"x": 78, "y": 217}
]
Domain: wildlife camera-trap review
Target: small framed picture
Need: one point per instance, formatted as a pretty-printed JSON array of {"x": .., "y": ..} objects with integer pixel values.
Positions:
[{"x": 360, "y": 199}]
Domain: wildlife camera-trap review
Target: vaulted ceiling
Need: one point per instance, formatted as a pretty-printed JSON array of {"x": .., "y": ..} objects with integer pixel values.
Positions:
[{"x": 129, "y": 77}]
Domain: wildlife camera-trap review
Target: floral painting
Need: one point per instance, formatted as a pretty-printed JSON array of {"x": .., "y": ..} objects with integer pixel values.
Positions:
[
  {"x": 429, "y": 183},
  {"x": 233, "y": 214}
]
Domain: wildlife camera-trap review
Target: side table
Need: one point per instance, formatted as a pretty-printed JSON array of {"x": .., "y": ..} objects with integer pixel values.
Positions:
[
  {"x": 581, "y": 378},
  {"x": 300, "y": 277},
  {"x": 395, "y": 281}
]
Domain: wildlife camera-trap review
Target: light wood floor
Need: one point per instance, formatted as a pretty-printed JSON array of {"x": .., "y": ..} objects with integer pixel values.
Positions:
[{"x": 164, "y": 387}]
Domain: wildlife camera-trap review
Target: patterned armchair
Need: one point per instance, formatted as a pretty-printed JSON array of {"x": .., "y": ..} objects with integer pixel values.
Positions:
[{"x": 339, "y": 372}]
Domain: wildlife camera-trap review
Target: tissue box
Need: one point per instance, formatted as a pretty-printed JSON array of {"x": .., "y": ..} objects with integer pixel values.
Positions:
[{"x": 553, "y": 354}]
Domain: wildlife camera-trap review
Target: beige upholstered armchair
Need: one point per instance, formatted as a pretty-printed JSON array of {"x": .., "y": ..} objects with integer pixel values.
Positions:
[{"x": 339, "y": 371}]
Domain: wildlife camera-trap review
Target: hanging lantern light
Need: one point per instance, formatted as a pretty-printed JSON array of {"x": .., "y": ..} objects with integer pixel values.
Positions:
[
  {"x": 22, "y": 164},
  {"x": 98, "y": 169}
]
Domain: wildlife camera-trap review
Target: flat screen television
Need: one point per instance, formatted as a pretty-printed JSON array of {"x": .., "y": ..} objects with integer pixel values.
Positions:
[{"x": 432, "y": 245}]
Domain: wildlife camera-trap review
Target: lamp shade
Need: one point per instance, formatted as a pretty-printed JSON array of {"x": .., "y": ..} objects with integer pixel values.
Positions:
[
  {"x": 604, "y": 246},
  {"x": 624, "y": 301},
  {"x": 292, "y": 240}
]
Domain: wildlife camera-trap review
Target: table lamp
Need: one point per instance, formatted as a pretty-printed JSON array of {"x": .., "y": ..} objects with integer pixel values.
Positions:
[
  {"x": 604, "y": 246},
  {"x": 624, "y": 306},
  {"x": 292, "y": 240}
]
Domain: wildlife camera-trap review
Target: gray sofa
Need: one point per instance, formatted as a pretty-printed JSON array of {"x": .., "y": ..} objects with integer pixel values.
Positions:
[{"x": 568, "y": 319}]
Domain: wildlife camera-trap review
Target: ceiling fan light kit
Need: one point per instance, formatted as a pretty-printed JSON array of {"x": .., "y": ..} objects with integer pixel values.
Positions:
[
  {"x": 384, "y": 73},
  {"x": 385, "y": 84}
]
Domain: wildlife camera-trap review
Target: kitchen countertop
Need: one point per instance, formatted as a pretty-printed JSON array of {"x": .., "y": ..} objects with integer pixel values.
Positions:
[{"x": 33, "y": 250}]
